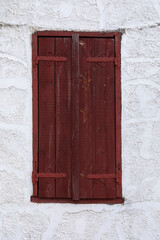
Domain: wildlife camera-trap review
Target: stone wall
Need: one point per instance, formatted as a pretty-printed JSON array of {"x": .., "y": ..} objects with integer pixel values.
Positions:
[{"x": 139, "y": 217}]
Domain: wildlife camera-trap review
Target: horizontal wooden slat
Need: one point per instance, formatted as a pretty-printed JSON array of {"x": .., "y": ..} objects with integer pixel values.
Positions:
[
  {"x": 35, "y": 175},
  {"x": 52, "y": 175},
  {"x": 55, "y": 59}
]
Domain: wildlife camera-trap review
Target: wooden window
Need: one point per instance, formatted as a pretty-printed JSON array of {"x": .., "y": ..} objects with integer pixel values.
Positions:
[{"x": 76, "y": 117}]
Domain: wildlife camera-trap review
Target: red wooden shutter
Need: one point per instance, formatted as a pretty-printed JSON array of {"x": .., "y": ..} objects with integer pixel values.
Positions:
[
  {"x": 54, "y": 88},
  {"x": 97, "y": 119},
  {"x": 76, "y": 113}
]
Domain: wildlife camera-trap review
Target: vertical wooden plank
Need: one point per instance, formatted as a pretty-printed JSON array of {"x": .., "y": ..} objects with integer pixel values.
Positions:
[
  {"x": 94, "y": 119},
  {"x": 46, "y": 118},
  {"x": 86, "y": 107},
  {"x": 118, "y": 113},
  {"x": 100, "y": 116},
  {"x": 105, "y": 119},
  {"x": 35, "y": 111},
  {"x": 63, "y": 117},
  {"x": 110, "y": 119},
  {"x": 75, "y": 116}
]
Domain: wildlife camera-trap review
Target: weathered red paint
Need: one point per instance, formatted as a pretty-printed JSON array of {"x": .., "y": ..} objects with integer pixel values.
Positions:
[
  {"x": 35, "y": 110},
  {"x": 77, "y": 135},
  {"x": 75, "y": 116},
  {"x": 118, "y": 113},
  {"x": 101, "y": 176},
  {"x": 81, "y": 201},
  {"x": 50, "y": 59},
  {"x": 100, "y": 59},
  {"x": 105, "y": 119},
  {"x": 86, "y": 139},
  {"x": 46, "y": 117},
  {"x": 63, "y": 116},
  {"x": 50, "y": 175},
  {"x": 81, "y": 34}
]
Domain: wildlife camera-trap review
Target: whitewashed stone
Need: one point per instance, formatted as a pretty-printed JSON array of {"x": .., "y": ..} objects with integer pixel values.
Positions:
[
  {"x": 141, "y": 43},
  {"x": 12, "y": 105},
  {"x": 24, "y": 225},
  {"x": 11, "y": 188},
  {"x": 13, "y": 42},
  {"x": 141, "y": 71},
  {"x": 91, "y": 14},
  {"x": 141, "y": 101},
  {"x": 13, "y": 149}
]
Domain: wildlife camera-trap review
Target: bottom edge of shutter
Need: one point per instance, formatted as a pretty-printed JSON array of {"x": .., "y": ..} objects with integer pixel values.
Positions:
[{"x": 68, "y": 200}]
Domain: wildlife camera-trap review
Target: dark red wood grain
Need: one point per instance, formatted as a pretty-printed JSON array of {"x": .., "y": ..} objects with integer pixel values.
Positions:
[
  {"x": 81, "y": 34},
  {"x": 105, "y": 119},
  {"x": 101, "y": 176},
  {"x": 81, "y": 201},
  {"x": 86, "y": 131},
  {"x": 63, "y": 116},
  {"x": 76, "y": 117},
  {"x": 35, "y": 111},
  {"x": 118, "y": 114},
  {"x": 47, "y": 125},
  {"x": 55, "y": 59},
  {"x": 100, "y": 59},
  {"x": 97, "y": 118}
]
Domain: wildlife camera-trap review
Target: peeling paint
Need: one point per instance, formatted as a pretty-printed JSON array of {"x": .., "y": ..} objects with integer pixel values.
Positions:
[{"x": 86, "y": 80}]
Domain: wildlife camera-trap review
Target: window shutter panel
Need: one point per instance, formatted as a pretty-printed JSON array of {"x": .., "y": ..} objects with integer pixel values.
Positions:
[
  {"x": 55, "y": 118},
  {"x": 97, "y": 119},
  {"x": 77, "y": 117}
]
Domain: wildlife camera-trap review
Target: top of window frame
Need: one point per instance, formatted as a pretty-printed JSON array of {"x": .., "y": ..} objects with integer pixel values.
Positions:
[{"x": 81, "y": 34}]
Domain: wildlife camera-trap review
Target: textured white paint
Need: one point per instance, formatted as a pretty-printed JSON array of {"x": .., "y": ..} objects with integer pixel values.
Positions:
[{"x": 139, "y": 217}]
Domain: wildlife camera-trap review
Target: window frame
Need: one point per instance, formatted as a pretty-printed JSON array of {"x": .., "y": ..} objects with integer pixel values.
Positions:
[{"x": 117, "y": 61}]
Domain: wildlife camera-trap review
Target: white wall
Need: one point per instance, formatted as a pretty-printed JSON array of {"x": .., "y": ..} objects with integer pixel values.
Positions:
[{"x": 139, "y": 217}]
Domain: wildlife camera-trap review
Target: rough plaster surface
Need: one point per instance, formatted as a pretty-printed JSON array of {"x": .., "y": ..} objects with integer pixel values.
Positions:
[{"x": 139, "y": 217}]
